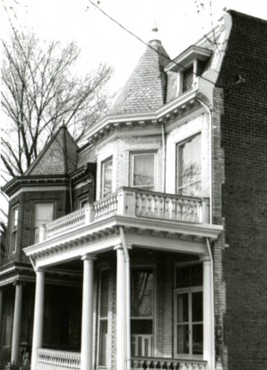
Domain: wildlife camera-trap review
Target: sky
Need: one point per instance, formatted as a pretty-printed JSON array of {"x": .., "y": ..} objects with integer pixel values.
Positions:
[{"x": 180, "y": 23}]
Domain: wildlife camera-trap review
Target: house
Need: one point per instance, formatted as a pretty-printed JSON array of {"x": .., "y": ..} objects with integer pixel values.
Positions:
[{"x": 146, "y": 247}]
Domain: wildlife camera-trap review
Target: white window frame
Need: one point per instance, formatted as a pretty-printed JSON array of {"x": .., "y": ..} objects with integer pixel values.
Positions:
[
  {"x": 104, "y": 163},
  {"x": 181, "y": 290},
  {"x": 143, "y": 153},
  {"x": 189, "y": 291}
]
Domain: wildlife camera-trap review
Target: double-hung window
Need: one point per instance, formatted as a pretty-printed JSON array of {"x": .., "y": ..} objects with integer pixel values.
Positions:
[
  {"x": 189, "y": 167},
  {"x": 143, "y": 170},
  {"x": 142, "y": 311},
  {"x": 44, "y": 213},
  {"x": 103, "y": 317},
  {"x": 188, "y": 309},
  {"x": 106, "y": 177},
  {"x": 14, "y": 229}
]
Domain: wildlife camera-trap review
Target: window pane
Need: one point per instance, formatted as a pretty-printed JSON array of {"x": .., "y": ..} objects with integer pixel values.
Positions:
[
  {"x": 142, "y": 293},
  {"x": 143, "y": 170},
  {"x": 198, "y": 339},
  {"x": 189, "y": 276},
  {"x": 141, "y": 326},
  {"x": 15, "y": 217},
  {"x": 182, "y": 307},
  {"x": 103, "y": 329},
  {"x": 107, "y": 177},
  {"x": 182, "y": 339},
  {"x": 197, "y": 306},
  {"x": 43, "y": 214},
  {"x": 189, "y": 167}
]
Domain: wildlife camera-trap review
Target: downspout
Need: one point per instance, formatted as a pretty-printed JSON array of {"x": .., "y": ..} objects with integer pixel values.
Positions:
[
  {"x": 70, "y": 194},
  {"x": 208, "y": 109},
  {"x": 212, "y": 299},
  {"x": 163, "y": 136},
  {"x": 128, "y": 305}
]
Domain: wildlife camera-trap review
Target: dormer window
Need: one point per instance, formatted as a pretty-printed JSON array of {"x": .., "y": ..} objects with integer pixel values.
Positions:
[{"x": 188, "y": 66}]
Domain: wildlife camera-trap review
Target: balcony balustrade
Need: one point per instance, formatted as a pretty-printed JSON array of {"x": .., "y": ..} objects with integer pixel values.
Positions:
[
  {"x": 132, "y": 202},
  {"x": 57, "y": 360},
  {"x": 48, "y": 359},
  {"x": 166, "y": 364}
]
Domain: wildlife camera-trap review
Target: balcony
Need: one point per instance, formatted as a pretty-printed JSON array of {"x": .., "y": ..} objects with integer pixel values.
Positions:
[{"x": 135, "y": 203}]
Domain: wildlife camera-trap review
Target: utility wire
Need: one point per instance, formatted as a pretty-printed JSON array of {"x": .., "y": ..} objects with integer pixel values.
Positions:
[{"x": 143, "y": 42}]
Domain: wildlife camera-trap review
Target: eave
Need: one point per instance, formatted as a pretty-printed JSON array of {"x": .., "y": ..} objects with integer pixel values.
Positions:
[{"x": 179, "y": 105}]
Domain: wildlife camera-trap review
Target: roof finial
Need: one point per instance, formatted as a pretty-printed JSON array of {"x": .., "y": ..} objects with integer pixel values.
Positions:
[{"x": 154, "y": 33}]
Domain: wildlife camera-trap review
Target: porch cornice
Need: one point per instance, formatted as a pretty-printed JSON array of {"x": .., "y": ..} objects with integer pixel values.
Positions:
[{"x": 103, "y": 235}]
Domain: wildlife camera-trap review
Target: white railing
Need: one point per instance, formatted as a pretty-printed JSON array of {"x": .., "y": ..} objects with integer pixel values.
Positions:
[
  {"x": 166, "y": 364},
  {"x": 133, "y": 203},
  {"x": 57, "y": 360},
  {"x": 171, "y": 207}
]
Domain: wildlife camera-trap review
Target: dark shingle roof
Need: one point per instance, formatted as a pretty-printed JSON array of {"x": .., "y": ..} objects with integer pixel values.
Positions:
[
  {"x": 59, "y": 156},
  {"x": 145, "y": 89}
]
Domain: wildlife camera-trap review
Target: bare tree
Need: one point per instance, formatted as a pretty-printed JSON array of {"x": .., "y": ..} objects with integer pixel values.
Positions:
[{"x": 40, "y": 91}]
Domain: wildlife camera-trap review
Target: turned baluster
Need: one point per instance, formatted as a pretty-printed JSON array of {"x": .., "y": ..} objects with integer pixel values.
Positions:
[
  {"x": 138, "y": 204},
  {"x": 167, "y": 207},
  {"x": 168, "y": 365},
  {"x": 144, "y": 205},
  {"x": 156, "y": 206},
  {"x": 179, "y": 210}
]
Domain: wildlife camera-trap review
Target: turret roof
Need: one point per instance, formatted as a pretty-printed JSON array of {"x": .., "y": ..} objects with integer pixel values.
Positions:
[{"x": 146, "y": 88}]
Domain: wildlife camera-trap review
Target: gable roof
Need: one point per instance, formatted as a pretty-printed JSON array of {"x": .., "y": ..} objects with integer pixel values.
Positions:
[
  {"x": 59, "y": 156},
  {"x": 145, "y": 89}
]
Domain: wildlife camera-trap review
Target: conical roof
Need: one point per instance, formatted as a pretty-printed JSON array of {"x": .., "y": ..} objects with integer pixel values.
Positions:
[
  {"x": 59, "y": 156},
  {"x": 146, "y": 88}
]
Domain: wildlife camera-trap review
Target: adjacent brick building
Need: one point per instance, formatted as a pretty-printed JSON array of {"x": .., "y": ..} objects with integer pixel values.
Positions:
[{"x": 159, "y": 260}]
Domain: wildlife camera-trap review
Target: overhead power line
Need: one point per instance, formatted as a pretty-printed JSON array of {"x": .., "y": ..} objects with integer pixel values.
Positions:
[{"x": 142, "y": 41}]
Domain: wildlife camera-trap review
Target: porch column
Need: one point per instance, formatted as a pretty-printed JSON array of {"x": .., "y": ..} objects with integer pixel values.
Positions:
[
  {"x": 87, "y": 313},
  {"x": 208, "y": 330},
  {"x": 37, "y": 339},
  {"x": 16, "y": 324},
  {"x": 121, "y": 311}
]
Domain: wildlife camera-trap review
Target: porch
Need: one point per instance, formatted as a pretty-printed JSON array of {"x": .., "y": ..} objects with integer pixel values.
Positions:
[{"x": 131, "y": 221}]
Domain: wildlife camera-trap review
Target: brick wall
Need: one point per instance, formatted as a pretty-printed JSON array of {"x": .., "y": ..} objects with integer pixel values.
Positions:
[{"x": 244, "y": 197}]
